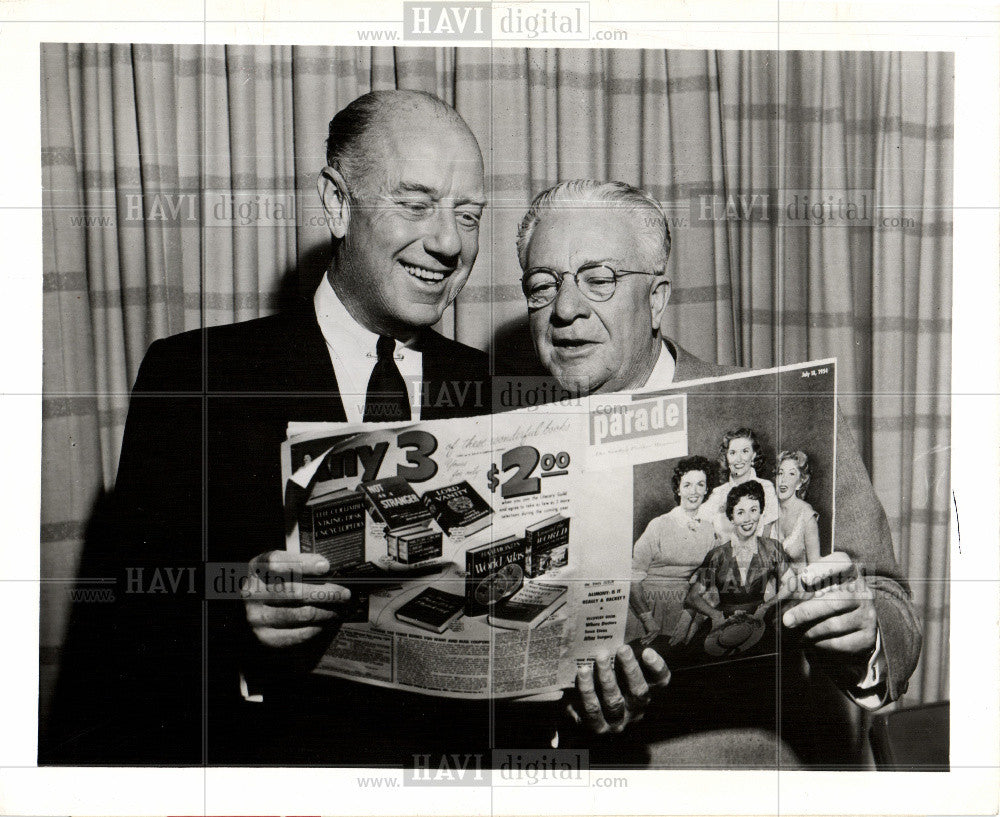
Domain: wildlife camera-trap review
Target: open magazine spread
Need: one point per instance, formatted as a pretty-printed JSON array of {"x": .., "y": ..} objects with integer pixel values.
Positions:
[{"x": 487, "y": 556}]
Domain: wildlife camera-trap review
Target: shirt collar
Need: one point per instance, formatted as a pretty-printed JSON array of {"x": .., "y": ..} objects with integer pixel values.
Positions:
[
  {"x": 338, "y": 326},
  {"x": 753, "y": 476},
  {"x": 663, "y": 372},
  {"x": 680, "y": 517}
]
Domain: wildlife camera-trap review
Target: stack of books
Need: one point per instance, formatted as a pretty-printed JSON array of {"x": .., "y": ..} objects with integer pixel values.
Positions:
[{"x": 395, "y": 506}]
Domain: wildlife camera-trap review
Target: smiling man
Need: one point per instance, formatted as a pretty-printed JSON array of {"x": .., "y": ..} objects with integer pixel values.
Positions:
[
  {"x": 198, "y": 490},
  {"x": 403, "y": 192},
  {"x": 403, "y": 195},
  {"x": 593, "y": 256}
]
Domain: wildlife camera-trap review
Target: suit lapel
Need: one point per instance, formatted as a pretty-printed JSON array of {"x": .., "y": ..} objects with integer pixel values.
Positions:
[
  {"x": 690, "y": 367},
  {"x": 446, "y": 383},
  {"x": 308, "y": 376}
]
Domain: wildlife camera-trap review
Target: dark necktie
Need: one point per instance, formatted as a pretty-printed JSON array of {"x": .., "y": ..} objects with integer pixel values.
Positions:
[{"x": 387, "y": 398}]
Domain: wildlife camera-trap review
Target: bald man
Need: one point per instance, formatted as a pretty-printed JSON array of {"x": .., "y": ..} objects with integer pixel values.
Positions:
[{"x": 198, "y": 492}]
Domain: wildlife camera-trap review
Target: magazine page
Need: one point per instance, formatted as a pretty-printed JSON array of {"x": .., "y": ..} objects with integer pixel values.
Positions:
[
  {"x": 457, "y": 540},
  {"x": 484, "y": 559},
  {"x": 712, "y": 564}
]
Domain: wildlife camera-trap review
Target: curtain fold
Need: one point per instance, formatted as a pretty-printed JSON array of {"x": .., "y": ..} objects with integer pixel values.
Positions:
[{"x": 156, "y": 156}]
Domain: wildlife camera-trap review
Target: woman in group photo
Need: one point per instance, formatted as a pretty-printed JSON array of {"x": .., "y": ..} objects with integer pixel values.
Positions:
[
  {"x": 740, "y": 458},
  {"x": 742, "y": 578},
  {"x": 797, "y": 527},
  {"x": 670, "y": 548}
]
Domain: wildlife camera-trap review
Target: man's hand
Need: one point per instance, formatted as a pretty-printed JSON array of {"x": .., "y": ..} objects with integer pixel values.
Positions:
[
  {"x": 837, "y": 615},
  {"x": 603, "y": 708},
  {"x": 285, "y": 611}
]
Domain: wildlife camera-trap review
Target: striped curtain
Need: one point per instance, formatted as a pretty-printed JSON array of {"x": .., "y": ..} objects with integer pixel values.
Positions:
[{"x": 153, "y": 158}]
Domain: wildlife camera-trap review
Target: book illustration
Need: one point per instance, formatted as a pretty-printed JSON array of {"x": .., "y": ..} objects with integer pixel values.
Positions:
[
  {"x": 514, "y": 630},
  {"x": 332, "y": 524},
  {"x": 528, "y": 607},
  {"x": 362, "y": 580},
  {"x": 458, "y": 509},
  {"x": 548, "y": 545},
  {"x": 498, "y": 585},
  {"x": 552, "y": 560},
  {"x": 416, "y": 546},
  {"x": 395, "y": 505},
  {"x": 493, "y": 572},
  {"x": 432, "y": 609}
]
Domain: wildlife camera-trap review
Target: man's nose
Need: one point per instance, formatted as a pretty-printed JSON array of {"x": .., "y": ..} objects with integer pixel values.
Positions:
[
  {"x": 570, "y": 303},
  {"x": 444, "y": 240}
]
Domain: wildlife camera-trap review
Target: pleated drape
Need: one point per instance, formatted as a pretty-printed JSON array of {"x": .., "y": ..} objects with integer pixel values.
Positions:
[{"x": 195, "y": 130}]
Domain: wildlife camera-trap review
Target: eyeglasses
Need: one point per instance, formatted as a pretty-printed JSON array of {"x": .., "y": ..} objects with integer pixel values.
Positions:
[{"x": 597, "y": 282}]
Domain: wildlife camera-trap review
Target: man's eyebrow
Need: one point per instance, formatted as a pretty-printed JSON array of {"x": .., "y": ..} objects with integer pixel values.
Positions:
[
  {"x": 416, "y": 187},
  {"x": 430, "y": 192},
  {"x": 593, "y": 262}
]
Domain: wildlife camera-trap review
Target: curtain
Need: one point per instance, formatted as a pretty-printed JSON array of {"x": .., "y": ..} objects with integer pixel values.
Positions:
[{"x": 145, "y": 147}]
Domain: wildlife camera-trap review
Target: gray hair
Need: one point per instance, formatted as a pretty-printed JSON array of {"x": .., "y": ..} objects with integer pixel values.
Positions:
[
  {"x": 616, "y": 194},
  {"x": 351, "y": 147}
]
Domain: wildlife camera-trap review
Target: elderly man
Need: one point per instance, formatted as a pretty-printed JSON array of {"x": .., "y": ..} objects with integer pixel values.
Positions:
[{"x": 594, "y": 258}]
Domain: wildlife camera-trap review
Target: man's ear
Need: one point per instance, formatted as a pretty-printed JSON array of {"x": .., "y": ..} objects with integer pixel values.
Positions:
[
  {"x": 659, "y": 295},
  {"x": 333, "y": 193}
]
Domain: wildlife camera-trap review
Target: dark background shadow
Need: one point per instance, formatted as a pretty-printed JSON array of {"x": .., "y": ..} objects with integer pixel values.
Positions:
[
  {"x": 512, "y": 352},
  {"x": 80, "y": 717}
]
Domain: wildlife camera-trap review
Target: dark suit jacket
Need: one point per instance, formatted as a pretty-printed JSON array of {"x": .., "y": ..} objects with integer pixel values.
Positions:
[
  {"x": 199, "y": 489},
  {"x": 777, "y": 711},
  {"x": 198, "y": 494}
]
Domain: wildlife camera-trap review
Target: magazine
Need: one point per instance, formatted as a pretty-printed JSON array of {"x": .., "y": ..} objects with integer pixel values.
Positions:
[{"x": 456, "y": 536}]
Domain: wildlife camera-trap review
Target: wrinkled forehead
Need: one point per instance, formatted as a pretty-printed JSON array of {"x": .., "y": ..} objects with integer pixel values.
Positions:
[
  {"x": 438, "y": 157},
  {"x": 574, "y": 233}
]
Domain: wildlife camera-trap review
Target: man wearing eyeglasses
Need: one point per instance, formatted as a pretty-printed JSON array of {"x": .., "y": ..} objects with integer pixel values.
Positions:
[
  {"x": 593, "y": 256},
  {"x": 596, "y": 285}
]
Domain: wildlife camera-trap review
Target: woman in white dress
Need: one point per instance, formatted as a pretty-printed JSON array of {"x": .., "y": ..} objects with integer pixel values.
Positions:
[
  {"x": 740, "y": 456},
  {"x": 797, "y": 527},
  {"x": 669, "y": 550}
]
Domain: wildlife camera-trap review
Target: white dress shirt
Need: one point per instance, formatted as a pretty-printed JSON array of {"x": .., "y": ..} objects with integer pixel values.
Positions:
[
  {"x": 353, "y": 355},
  {"x": 663, "y": 372}
]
